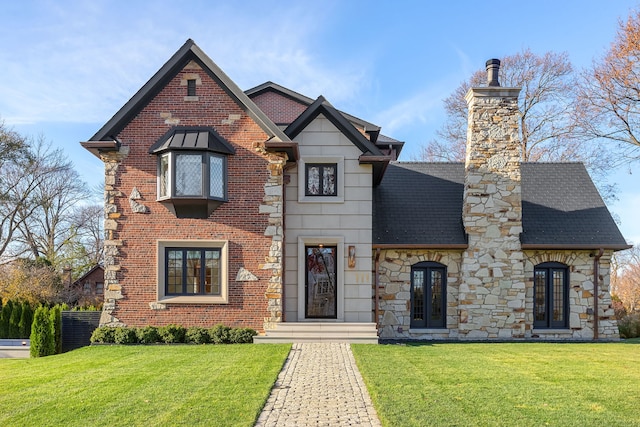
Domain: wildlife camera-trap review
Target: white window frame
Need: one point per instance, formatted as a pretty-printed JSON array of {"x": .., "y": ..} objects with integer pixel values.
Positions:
[
  {"x": 223, "y": 298},
  {"x": 337, "y": 241},
  {"x": 302, "y": 180}
]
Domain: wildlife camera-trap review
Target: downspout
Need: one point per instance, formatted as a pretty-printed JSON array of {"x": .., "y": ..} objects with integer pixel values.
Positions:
[
  {"x": 376, "y": 281},
  {"x": 596, "y": 275}
]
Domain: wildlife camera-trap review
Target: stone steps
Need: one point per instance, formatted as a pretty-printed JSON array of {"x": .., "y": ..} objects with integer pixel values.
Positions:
[{"x": 362, "y": 333}]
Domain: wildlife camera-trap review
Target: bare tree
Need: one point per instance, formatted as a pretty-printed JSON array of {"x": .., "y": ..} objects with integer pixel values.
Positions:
[
  {"x": 625, "y": 284},
  {"x": 609, "y": 92},
  {"x": 50, "y": 225},
  {"x": 545, "y": 103},
  {"x": 19, "y": 178}
]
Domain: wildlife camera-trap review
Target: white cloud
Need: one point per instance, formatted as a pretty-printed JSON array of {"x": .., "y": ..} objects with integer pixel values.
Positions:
[{"x": 81, "y": 63}]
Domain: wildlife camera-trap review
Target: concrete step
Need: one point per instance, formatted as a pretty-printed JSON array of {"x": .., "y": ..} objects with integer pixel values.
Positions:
[{"x": 320, "y": 332}]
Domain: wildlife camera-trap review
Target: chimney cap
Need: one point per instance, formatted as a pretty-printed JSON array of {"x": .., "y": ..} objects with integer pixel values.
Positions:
[{"x": 493, "y": 67}]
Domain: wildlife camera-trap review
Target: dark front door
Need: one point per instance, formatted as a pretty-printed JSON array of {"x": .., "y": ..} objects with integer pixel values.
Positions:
[{"x": 321, "y": 285}]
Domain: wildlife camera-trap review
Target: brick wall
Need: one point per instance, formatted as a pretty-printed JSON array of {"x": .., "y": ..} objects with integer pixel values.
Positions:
[
  {"x": 279, "y": 109},
  {"x": 132, "y": 262}
]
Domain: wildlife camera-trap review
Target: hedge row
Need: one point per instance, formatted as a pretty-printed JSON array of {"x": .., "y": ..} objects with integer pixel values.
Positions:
[
  {"x": 15, "y": 319},
  {"x": 172, "y": 334}
]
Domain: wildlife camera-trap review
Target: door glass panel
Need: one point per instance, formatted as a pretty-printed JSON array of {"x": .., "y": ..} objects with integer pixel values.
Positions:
[
  {"x": 558, "y": 296},
  {"x": 321, "y": 286},
  {"x": 417, "y": 306},
  {"x": 540, "y": 311},
  {"x": 436, "y": 297}
]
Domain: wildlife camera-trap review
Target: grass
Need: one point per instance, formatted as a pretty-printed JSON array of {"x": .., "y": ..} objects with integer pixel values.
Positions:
[
  {"x": 224, "y": 385},
  {"x": 520, "y": 384}
]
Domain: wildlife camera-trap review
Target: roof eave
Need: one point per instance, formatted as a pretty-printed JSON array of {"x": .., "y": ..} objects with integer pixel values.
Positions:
[
  {"x": 576, "y": 246},
  {"x": 420, "y": 246},
  {"x": 98, "y": 147},
  {"x": 290, "y": 148}
]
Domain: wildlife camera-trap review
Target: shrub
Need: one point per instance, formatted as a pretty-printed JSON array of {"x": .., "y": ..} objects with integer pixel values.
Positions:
[
  {"x": 103, "y": 335},
  {"x": 5, "y": 316},
  {"x": 14, "y": 321},
  {"x": 124, "y": 335},
  {"x": 242, "y": 335},
  {"x": 172, "y": 334},
  {"x": 148, "y": 335},
  {"x": 197, "y": 335},
  {"x": 219, "y": 334},
  {"x": 42, "y": 339},
  {"x": 26, "y": 317},
  {"x": 629, "y": 326},
  {"x": 56, "y": 328}
]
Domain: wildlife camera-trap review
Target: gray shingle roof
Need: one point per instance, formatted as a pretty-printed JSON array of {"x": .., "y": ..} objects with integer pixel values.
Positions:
[
  {"x": 561, "y": 206},
  {"x": 421, "y": 204}
]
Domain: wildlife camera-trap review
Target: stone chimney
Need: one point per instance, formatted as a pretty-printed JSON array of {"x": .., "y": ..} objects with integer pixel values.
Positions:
[{"x": 492, "y": 291}]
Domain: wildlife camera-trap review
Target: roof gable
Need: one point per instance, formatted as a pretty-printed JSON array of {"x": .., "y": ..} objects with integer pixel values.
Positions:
[
  {"x": 188, "y": 52},
  {"x": 322, "y": 106}
]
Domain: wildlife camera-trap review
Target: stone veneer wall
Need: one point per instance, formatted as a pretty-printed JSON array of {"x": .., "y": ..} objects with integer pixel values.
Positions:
[
  {"x": 395, "y": 298},
  {"x": 581, "y": 298},
  {"x": 395, "y": 293}
]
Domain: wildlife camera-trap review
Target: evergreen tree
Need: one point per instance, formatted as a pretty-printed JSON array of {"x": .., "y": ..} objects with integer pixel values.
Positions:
[
  {"x": 14, "y": 321},
  {"x": 25, "y": 320},
  {"x": 42, "y": 340},
  {"x": 56, "y": 328},
  {"x": 5, "y": 318}
]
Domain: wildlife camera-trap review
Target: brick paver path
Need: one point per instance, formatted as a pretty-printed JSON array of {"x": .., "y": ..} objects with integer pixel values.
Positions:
[{"x": 319, "y": 385}]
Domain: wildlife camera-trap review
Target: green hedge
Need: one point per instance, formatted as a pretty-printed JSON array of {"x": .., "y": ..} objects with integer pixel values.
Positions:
[
  {"x": 172, "y": 334},
  {"x": 15, "y": 319}
]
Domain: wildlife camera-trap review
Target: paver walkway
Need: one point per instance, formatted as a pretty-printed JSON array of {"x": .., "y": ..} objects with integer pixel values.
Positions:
[{"x": 319, "y": 385}]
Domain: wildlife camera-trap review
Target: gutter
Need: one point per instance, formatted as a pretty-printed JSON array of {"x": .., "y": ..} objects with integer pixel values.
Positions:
[
  {"x": 376, "y": 281},
  {"x": 596, "y": 275}
]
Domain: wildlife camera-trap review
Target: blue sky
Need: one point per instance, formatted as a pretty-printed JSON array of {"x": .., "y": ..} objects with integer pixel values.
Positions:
[{"x": 68, "y": 66}]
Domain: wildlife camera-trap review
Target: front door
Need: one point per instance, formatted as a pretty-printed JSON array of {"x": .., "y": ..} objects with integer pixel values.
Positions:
[{"x": 321, "y": 285}]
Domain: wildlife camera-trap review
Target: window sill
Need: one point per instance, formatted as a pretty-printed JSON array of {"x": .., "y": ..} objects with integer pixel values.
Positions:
[
  {"x": 321, "y": 199},
  {"x": 198, "y": 299},
  {"x": 191, "y": 98}
]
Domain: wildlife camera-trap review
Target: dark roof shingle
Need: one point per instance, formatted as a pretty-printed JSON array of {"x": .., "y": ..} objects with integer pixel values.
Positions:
[{"x": 421, "y": 204}]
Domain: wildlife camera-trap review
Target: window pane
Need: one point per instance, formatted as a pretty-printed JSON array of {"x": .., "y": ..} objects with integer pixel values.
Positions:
[
  {"x": 188, "y": 175},
  {"x": 174, "y": 271},
  {"x": 436, "y": 297},
  {"x": 329, "y": 180},
  {"x": 558, "y": 296},
  {"x": 193, "y": 272},
  {"x": 216, "y": 177},
  {"x": 417, "y": 307},
  {"x": 212, "y": 272},
  {"x": 164, "y": 175},
  {"x": 313, "y": 180},
  {"x": 540, "y": 293}
]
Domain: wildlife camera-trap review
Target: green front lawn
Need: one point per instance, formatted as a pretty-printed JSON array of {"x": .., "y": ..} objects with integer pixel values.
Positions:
[
  {"x": 503, "y": 384},
  {"x": 211, "y": 385}
]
